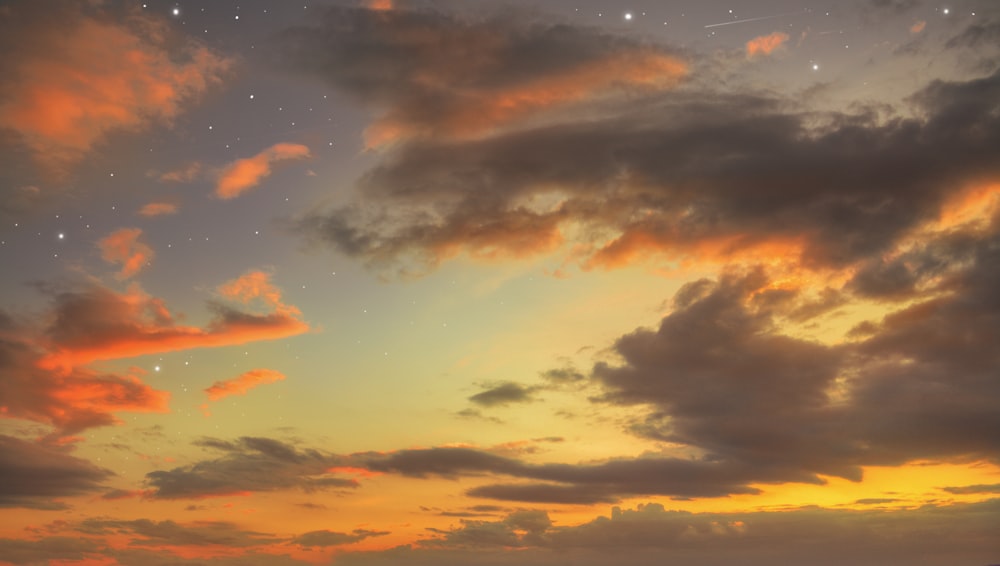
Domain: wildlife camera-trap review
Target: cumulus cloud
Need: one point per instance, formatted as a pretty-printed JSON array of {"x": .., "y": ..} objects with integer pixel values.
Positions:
[
  {"x": 243, "y": 383},
  {"x": 123, "y": 247},
  {"x": 244, "y": 174},
  {"x": 79, "y": 77}
]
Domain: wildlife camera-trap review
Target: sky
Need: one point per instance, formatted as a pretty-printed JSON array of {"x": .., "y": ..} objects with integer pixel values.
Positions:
[{"x": 499, "y": 282}]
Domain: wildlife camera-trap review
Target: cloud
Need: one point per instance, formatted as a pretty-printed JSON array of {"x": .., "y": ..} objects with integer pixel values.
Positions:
[
  {"x": 650, "y": 534},
  {"x": 432, "y": 74},
  {"x": 766, "y": 44},
  {"x": 70, "y": 399},
  {"x": 123, "y": 247},
  {"x": 244, "y": 174},
  {"x": 48, "y": 549},
  {"x": 243, "y": 383},
  {"x": 97, "y": 323},
  {"x": 186, "y": 174},
  {"x": 36, "y": 475},
  {"x": 75, "y": 79},
  {"x": 504, "y": 394},
  {"x": 324, "y": 537},
  {"x": 171, "y": 533},
  {"x": 46, "y": 378},
  {"x": 918, "y": 27},
  {"x": 158, "y": 209},
  {"x": 679, "y": 177},
  {"x": 974, "y": 489},
  {"x": 249, "y": 465}
]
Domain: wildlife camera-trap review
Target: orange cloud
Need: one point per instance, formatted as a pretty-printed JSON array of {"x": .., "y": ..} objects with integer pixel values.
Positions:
[
  {"x": 100, "y": 324},
  {"x": 158, "y": 209},
  {"x": 70, "y": 400},
  {"x": 481, "y": 112},
  {"x": 918, "y": 27},
  {"x": 766, "y": 44},
  {"x": 185, "y": 174},
  {"x": 380, "y": 5},
  {"x": 245, "y": 174},
  {"x": 242, "y": 384},
  {"x": 76, "y": 79},
  {"x": 124, "y": 248}
]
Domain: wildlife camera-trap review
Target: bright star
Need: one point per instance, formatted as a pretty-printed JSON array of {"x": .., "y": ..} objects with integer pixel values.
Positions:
[
  {"x": 628, "y": 15},
  {"x": 177, "y": 11}
]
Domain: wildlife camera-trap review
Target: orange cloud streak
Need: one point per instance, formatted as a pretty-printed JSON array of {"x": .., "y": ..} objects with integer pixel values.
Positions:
[
  {"x": 380, "y": 5},
  {"x": 110, "y": 326},
  {"x": 486, "y": 111},
  {"x": 766, "y": 44},
  {"x": 244, "y": 174},
  {"x": 242, "y": 384},
  {"x": 918, "y": 27},
  {"x": 158, "y": 209},
  {"x": 92, "y": 77},
  {"x": 124, "y": 248}
]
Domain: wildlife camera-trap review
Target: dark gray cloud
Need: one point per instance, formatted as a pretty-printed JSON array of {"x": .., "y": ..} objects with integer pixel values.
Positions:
[
  {"x": 685, "y": 172},
  {"x": 651, "y": 534},
  {"x": 330, "y": 538},
  {"x": 44, "y": 550},
  {"x": 35, "y": 475},
  {"x": 249, "y": 464},
  {"x": 504, "y": 394},
  {"x": 973, "y": 489},
  {"x": 437, "y": 74},
  {"x": 170, "y": 533}
]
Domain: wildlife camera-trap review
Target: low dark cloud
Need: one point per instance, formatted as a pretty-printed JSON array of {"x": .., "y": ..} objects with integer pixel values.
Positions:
[
  {"x": 35, "y": 475},
  {"x": 651, "y": 534},
  {"x": 325, "y": 538},
  {"x": 973, "y": 489},
  {"x": 146, "y": 532},
  {"x": 504, "y": 394},
  {"x": 45, "y": 550},
  {"x": 247, "y": 465}
]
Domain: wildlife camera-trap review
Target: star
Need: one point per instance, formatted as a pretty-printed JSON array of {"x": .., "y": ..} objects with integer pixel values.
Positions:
[
  {"x": 628, "y": 15},
  {"x": 177, "y": 11}
]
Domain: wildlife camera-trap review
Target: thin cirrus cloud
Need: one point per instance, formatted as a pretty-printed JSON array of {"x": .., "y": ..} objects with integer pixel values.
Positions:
[
  {"x": 124, "y": 248},
  {"x": 243, "y": 383},
  {"x": 244, "y": 174},
  {"x": 766, "y": 44},
  {"x": 80, "y": 78}
]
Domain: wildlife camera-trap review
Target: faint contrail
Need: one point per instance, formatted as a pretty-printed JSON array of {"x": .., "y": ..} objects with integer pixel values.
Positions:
[{"x": 750, "y": 20}]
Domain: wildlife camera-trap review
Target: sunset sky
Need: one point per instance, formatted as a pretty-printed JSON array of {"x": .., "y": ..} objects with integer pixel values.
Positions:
[{"x": 499, "y": 282}]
